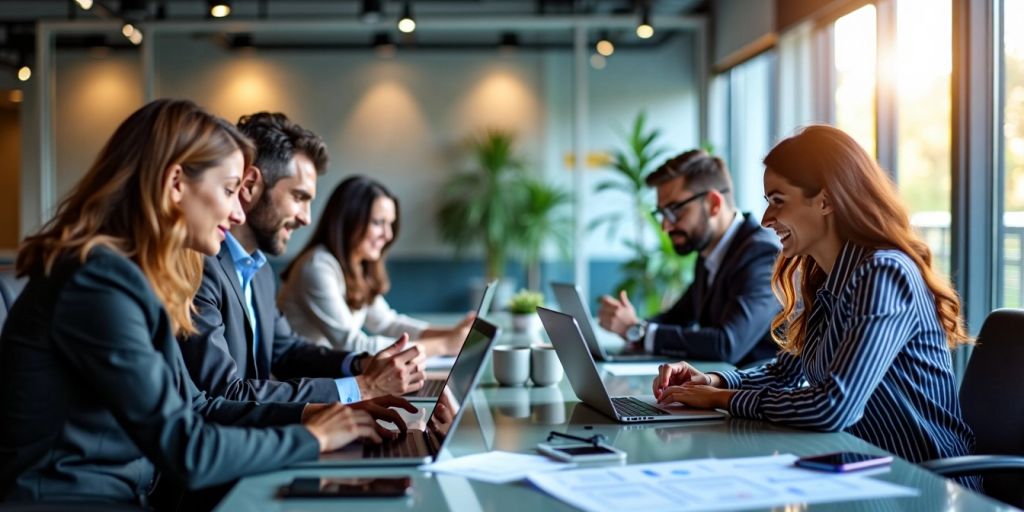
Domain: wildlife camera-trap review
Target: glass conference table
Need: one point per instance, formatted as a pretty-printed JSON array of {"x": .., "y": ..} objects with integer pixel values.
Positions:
[{"x": 516, "y": 419}]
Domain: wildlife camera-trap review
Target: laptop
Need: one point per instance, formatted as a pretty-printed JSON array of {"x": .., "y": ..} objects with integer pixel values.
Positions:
[
  {"x": 586, "y": 381},
  {"x": 423, "y": 446},
  {"x": 432, "y": 385},
  {"x": 568, "y": 297}
]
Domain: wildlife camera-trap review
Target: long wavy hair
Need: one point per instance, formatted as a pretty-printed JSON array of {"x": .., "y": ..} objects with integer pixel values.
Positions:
[
  {"x": 122, "y": 203},
  {"x": 867, "y": 211},
  {"x": 341, "y": 229}
]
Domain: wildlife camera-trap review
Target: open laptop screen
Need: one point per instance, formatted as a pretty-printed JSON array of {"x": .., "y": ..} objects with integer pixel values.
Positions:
[{"x": 461, "y": 380}]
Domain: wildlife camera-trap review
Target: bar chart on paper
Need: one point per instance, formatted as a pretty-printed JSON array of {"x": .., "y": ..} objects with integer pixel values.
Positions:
[{"x": 708, "y": 485}]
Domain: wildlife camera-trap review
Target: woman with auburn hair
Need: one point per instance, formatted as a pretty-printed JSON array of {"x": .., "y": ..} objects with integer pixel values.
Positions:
[
  {"x": 872, "y": 338},
  {"x": 95, "y": 400},
  {"x": 336, "y": 285}
]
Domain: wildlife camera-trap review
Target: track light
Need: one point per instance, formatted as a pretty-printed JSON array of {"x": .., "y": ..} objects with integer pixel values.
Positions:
[
  {"x": 370, "y": 13},
  {"x": 382, "y": 45},
  {"x": 509, "y": 42},
  {"x": 407, "y": 24},
  {"x": 132, "y": 33},
  {"x": 84, "y": 4},
  {"x": 645, "y": 30},
  {"x": 604, "y": 45},
  {"x": 24, "y": 73},
  {"x": 219, "y": 8}
]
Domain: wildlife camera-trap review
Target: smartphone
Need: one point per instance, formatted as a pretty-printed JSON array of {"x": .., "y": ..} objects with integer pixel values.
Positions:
[
  {"x": 348, "y": 487},
  {"x": 842, "y": 462},
  {"x": 582, "y": 452}
]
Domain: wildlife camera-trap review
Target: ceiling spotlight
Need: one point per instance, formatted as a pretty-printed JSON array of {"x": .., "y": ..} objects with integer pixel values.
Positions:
[
  {"x": 604, "y": 45},
  {"x": 84, "y": 4},
  {"x": 382, "y": 45},
  {"x": 242, "y": 41},
  {"x": 370, "y": 13},
  {"x": 407, "y": 24},
  {"x": 645, "y": 30},
  {"x": 24, "y": 73},
  {"x": 219, "y": 8},
  {"x": 133, "y": 34},
  {"x": 509, "y": 42}
]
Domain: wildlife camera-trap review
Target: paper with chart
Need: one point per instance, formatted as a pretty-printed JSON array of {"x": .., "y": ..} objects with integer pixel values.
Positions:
[
  {"x": 496, "y": 467},
  {"x": 708, "y": 484}
]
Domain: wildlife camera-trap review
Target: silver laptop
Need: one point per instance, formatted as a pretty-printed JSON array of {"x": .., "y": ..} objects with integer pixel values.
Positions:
[
  {"x": 586, "y": 381},
  {"x": 432, "y": 386},
  {"x": 569, "y": 299},
  {"x": 422, "y": 446}
]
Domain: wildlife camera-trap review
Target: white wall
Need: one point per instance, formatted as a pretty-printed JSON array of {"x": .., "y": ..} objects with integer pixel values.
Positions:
[{"x": 403, "y": 120}]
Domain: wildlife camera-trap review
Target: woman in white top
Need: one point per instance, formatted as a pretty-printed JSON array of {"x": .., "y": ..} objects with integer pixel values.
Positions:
[{"x": 336, "y": 286}]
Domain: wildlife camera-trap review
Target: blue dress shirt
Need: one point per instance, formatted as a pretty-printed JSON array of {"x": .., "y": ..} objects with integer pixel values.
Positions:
[{"x": 246, "y": 266}]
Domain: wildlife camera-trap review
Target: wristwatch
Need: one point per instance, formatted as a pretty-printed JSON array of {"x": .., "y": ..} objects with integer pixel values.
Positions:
[
  {"x": 357, "y": 363},
  {"x": 636, "y": 332}
]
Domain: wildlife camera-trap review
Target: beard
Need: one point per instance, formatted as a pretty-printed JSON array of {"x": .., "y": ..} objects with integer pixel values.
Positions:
[
  {"x": 266, "y": 224},
  {"x": 697, "y": 240}
]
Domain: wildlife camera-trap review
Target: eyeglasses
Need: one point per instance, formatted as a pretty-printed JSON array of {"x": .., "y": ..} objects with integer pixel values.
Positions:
[{"x": 668, "y": 212}]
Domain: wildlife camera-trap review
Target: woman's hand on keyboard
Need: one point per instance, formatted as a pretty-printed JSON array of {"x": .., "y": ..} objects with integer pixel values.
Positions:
[{"x": 678, "y": 374}]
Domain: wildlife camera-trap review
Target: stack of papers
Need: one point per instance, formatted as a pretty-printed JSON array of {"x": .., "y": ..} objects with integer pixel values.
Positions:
[
  {"x": 496, "y": 467},
  {"x": 708, "y": 484}
]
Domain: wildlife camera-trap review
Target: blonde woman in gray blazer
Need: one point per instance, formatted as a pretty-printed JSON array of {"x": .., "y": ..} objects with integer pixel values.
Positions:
[{"x": 334, "y": 290}]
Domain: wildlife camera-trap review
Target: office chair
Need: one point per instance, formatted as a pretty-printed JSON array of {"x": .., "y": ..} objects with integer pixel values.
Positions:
[
  {"x": 992, "y": 399},
  {"x": 10, "y": 287}
]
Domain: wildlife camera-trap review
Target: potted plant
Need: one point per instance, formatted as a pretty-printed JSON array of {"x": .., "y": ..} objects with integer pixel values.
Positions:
[
  {"x": 479, "y": 206},
  {"x": 543, "y": 218},
  {"x": 654, "y": 275},
  {"x": 523, "y": 307}
]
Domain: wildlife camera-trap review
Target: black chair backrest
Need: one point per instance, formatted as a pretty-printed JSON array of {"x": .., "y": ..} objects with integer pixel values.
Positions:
[
  {"x": 992, "y": 394},
  {"x": 10, "y": 287},
  {"x": 992, "y": 398}
]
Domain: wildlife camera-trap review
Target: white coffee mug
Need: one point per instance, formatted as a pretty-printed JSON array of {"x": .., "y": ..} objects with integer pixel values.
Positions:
[
  {"x": 511, "y": 365},
  {"x": 545, "y": 367}
]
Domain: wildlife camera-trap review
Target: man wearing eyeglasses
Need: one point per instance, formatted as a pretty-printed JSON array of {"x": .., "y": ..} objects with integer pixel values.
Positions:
[{"x": 726, "y": 314}]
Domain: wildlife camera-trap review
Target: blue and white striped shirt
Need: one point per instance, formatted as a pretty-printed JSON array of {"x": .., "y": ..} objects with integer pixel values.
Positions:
[{"x": 875, "y": 361}]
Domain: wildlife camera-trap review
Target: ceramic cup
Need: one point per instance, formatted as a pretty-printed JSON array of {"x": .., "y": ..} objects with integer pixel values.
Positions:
[
  {"x": 545, "y": 368},
  {"x": 511, "y": 365}
]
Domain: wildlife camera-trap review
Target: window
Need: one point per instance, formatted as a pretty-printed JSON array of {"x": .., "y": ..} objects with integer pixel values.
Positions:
[
  {"x": 855, "y": 59},
  {"x": 743, "y": 97},
  {"x": 1011, "y": 267},
  {"x": 923, "y": 64}
]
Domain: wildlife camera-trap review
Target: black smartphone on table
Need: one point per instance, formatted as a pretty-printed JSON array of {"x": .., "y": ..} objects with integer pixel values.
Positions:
[
  {"x": 843, "y": 462},
  {"x": 348, "y": 488}
]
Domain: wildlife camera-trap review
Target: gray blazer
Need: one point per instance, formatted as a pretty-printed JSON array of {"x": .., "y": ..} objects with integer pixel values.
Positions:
[
  {"x": 220, "y": 357},
  {"x": 95, "y": 399},
  {"x": 730, "y": 320}
]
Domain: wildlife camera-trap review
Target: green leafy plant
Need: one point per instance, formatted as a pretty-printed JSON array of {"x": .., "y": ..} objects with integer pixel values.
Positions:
[
  {"x": 479, "y": 206},
  {"x": 653, "y": 274},
  {"x": 543, "y": 218},
  {"x": 499, "y": 206},
  {"x": 525, "y": 302}
]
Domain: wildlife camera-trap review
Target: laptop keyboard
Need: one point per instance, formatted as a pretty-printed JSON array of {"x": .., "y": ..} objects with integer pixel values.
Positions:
[
  {"x": 629, "y": 406},
  {"x": 403, "y": 447},
  {"x": 431, "y": 388}
]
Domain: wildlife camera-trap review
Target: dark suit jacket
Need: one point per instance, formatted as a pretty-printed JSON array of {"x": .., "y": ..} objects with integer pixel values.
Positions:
[
  {"x": 94, "y": 397},
  {"x": 730, "y": 319},
  {"x": 220, "y": 357}
]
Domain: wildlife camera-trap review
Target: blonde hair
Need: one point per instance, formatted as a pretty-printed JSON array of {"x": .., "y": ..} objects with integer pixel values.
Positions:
[
  {"x": 820, "y": 158},
  {"x": 121, "y": 202}
]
